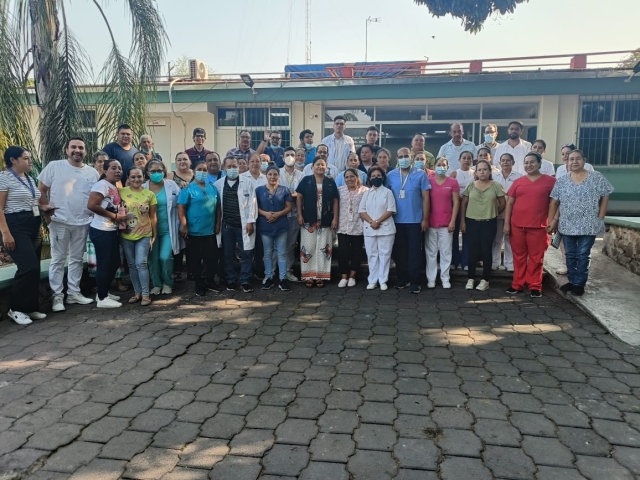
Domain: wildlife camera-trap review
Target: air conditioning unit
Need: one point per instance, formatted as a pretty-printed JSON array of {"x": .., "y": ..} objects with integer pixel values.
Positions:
[{"x": 198, "y": 70}]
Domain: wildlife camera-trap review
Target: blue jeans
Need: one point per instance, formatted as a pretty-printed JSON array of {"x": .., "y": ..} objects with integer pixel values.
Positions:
[
  {"x": 578, "y": 249},
  {"x": 137, "y": 252},
  {"x": 107, "y": 258},
  {"x": 279, "y": 242},
  {"x": 232, "y": 236}
]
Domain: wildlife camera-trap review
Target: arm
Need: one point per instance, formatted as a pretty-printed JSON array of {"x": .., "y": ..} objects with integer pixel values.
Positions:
[
  {"x": 299, "y": 200},
  {"x": 463, "y": 213},
  {"x": 426, "y": 200},
  {"x": 507, "y": 216},
  {"x": 501, "y": 204},
  {"x": 264, "y": 142},
  {"x": 153, "y": 209},
  {"x": 454, "y": 213},
  {"x": 95, "y": 205},
  {"x": 218, "y": 218},
  {"x": 44, "y": 193},
  {"x": 604, "y": 202},
  {"x": 453, "y": 174},
  {"x": 336, "y": 213},
  {"x": 182, "y": 215},
  {"x": 553, "y": 216},
  {"x": 7, "y": 239}
]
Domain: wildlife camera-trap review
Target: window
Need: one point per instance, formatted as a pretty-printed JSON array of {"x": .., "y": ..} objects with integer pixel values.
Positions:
[
  {"x": 510, "y": 111},
  {"x": 408, "y": 113},
  {"x": 89, "y": 129},
  {"x": 256, "y": 118},
  {"x": 230, "y": 117},
  {"x": 351, "y": 114},
  {"x": 454, "y": 113},
  {"x": 609, "y": 130}
]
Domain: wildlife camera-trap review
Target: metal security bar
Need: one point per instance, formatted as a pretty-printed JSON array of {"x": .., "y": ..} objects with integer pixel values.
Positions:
[
  {"x": 258, "y": 117},
  {"x": 609, "y": 130}
]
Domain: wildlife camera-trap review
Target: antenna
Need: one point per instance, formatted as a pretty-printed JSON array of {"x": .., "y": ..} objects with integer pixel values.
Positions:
[{"x": 308, "y": 31}]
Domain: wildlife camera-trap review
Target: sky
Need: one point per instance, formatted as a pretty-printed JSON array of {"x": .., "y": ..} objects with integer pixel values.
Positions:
[{"x": 257, "y": 36}]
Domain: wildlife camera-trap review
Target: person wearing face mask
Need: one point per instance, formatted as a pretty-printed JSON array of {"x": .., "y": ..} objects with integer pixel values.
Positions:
[
  {"x": 306, "y": 143},
  {"x": 515, "y": 146},
  {"x": 239, "y": 213},
  {"x": 456, "y": 146},
  {"x": 331, "y": 171},
  {"x": 352, "y": 162},
  {"x": 417, "y": 146},
  {"x": 445, "y": 203},
  {"x": 421, "y": 162},
  {"x": 410, "y": 189},
  {"x": 270, "y": 145},
  {"x": 464, "y": 176},
  {"x": 300, "y": 159},
  {"x": 168, "y": 241},
  {"x": 200, "y": 216},
  {"x": 257, "y": 167},
  {"x": 290, "y": 178},
  {"x": 490, "y": 136}
]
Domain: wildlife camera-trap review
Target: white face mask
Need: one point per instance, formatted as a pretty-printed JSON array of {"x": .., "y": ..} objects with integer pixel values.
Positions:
[{"x": 289, "y": 160}]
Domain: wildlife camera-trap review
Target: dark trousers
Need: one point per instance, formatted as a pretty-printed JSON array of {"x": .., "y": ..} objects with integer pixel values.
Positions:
[
  {"x": 202, "y": 253},
  {"x": 349, "y": 253},
  {"x": 407, "y": 249},
  {"x": 25, "y": 229},
  {"x": 459, "y": 258},
  {"x": 107, "y": 258},
  {"x": 232, "y": 237},
  {"x": 258, "y": 256},
  {"x": 480, "y": 236}
]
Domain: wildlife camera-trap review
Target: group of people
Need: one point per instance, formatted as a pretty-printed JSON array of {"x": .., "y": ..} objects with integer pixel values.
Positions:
[{"x": 246, "y": 214}]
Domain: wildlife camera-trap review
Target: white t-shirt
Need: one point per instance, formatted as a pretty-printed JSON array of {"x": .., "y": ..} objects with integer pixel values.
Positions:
[
  {"x": 547, "y": 168},
  {"x": 562, "y": 170},
  {"x": 69, "y": 189},
  {"x": 259, "y": 182},
  {"x": 375, "y": 202},
  {"x": 110, "y": 202},
  {"x": 518, "y": 152}
]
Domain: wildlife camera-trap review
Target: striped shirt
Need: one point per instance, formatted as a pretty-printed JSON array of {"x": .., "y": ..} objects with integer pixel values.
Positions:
[
  {"x": 230, "y": 205},
  {"x": 19, "y": 195}
]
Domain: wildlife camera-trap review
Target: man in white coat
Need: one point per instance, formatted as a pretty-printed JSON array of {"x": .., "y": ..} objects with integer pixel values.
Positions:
[{"x": 239, "y": 214}]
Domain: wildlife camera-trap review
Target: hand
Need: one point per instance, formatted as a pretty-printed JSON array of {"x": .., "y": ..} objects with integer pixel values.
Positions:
[
  {"x": 425, "y": 225},
  {"x": 451, "y": 227},
  {"x": 153, "y": 240},
  {"x": 218, "y": 228},
  {"x": 8, "y": 241},
  {"x": 506, "y": 229},
  {"x": 334, "y": 224},
  {"x": 550, "y": 229},
  {"x": 267, "y": 135},
  {"x": 120, "y": 217},
  {"x": 374, "y": 224},
  {"x": 463, "y": 226},
  {"x": 48, "y": 209},
  {"x": 184, "y": 231},
  {"x": 300, "y": 220},
  {"x": 272, "y": 217},
  {"x": 249, "y": 229}
]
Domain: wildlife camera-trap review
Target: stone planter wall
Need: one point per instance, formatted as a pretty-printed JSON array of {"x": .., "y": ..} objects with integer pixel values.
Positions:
[{"x": 622, "y": 244}]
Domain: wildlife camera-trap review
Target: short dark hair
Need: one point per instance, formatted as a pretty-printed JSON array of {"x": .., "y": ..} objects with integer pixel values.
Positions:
[
  {"x": 105, "y": 167},
  {"x": 516, "y": 122},
  {"x": 366, "y": 145},
  {"x": 124, "y": 126},
  {"x": 486, "y": 149},
  {"x": 14, "y": 151},
  {"x": 289, "y": 149},
  {"x": 229, "y": 157},
  {"x": 243, "y": 131},
  {"x": 536, "y": 155},
  {"x": 488, "y": 166},
  {"x": 322, "y": 145},
  {"x": 570, "y": 146},
  {"x": 211, "y": 152},
  {"x": 577, "y": 150},
  {"x": 373, "y": 129},
  {"x": 376, "y": 168},
  {"x": 544, "y": 144},
  {"x": 143, "y": 171},
  {"x": 508, "y": 155},
  {"x": 199, "y": 130},
  {"x": 304, "y": 132},
  {"x": 339, "y": 117},
  {"x": 275, "y": 131},
  {"x": 316, "y": 158},
  {"x": 151, "y": 162},
  {"x": 80, "y": 139}
]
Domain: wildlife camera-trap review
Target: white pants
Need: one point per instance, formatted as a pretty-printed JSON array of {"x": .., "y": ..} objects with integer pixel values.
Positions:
[
  {"x": 438, "y": 240},
  {"x": 67, "y": 241},
  {"x": 292, "y": 238},
  {"x": 497, "y": 247},
  {"x": 378, "y": 250}
]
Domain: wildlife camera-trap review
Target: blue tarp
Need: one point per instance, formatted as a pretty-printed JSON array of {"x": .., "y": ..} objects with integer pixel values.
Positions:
[{"x": 385, "y": 69}]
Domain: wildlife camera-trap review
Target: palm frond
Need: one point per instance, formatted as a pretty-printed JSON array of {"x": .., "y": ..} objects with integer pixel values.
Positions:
[{"x": 149, "y": 42}]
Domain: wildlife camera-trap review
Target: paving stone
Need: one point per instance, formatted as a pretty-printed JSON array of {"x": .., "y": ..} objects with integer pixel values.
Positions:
[
  {"x": 105, "y": 429},
  {"x": 313, "y": 389},
  {"x": 197, "y": 412},
  {"x": 406, "y": 474},
  {"x": 413, "y": 404},
  {"x": 336, "y": 421},
  {"x": 126, "y": 445},
  {"x": 176, "y": 435},
  {"x": 547, "y": 451},
  {"x": 68, "y": 459},
  {"x": 617, "y": 433},
  {"x": 447, "y": 397},
  {"x": 417, "y": 453},
  {"x": 204, "y": 453},
  {"x": 223, "y": 426},
  {"x": 343, "y": 400},
  {"x": 296, "y": 432},
  {"x": 598, "y": 409},
  {"x": 347, "y": 382},
  {"x": 451, "y": 417},
  {"x": 497, "y": 432},
  {"x": 266, "y": 417},
  {"x": 21, "y": 460},
  {"x": 375, "y": 437},
  {"x": 566, "y": 416},
  {"x": 409, "y": 386},
  {"x": 236, "y": 468},
  {"x": 413, "y": 426},
  {"x": 594, "y": 467},
  {"x": 517, "y": 402},
  {"x": 457, "y": 468},
  {"x": 366, "y": 465},
  {"x": 151, "y": 464},
  {"x": 487, "y": 408},
  {"x": 37, "y": 420},
  {"x": 324, "y": 471},
  {"x": 278, "y": 397},
  {"x": 310, "y": 408},
  {"x": 131, "y": 407},
  {"x": 101, "y": 468},
  {"x": 508, "y": 462},
  {"x": 238, "y": 404},
  {"x": 50, "y": 438},
  {"x": 331, "y": 447},
  {"x": 459, "y": 443},
  {"x": 174, "y": 400},
  {"x": 214, "y": 393},
  {"x": 582, "y": 441},
  {"x": 86, "y": 413},
  {"x": 251, "y": 443},
  {"x": 533, "y": 424},
  {"x": 285, "y": 460},
  {"x": 629, "y": 458},
  {"x": 378, "y": 412},
  {"x": 555, "y": 473}
]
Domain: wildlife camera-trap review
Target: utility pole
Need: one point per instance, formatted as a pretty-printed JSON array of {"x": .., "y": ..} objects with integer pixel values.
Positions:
[
  {"x": 308, "y": 32},
  {"x": 366, "y": 34}
]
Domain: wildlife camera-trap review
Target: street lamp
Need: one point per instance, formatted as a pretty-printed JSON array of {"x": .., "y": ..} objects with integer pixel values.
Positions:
[{"x": 366, "y": 35}]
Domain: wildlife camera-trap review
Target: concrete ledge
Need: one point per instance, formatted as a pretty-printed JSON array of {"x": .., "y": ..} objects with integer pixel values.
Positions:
[
  {"x": 7, "y": 273},
  {"x": 612, "y": 293},
  {"x": 626, "y": 222}
]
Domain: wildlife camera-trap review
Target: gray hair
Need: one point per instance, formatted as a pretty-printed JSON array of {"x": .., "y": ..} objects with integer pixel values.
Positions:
[{"x": 146, "y": 135}]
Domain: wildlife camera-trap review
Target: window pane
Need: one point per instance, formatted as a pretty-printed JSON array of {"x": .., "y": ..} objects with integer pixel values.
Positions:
[
  {"x": 229, "y": 117},
  {"x": 401, "y": 113},
  {"x": 351, "y": 114},
  {"x": 454, "y": 113},
  {"x": 597, "y": 111},
  {"x": 625, "y": 146},
  {"x": 256, "y": 117},
  {"x": 279, "y": 117},
  {"x": 628, "y": 111},
  {"x": 594, "y": 142},
  {"x": 510, "y": 111}
]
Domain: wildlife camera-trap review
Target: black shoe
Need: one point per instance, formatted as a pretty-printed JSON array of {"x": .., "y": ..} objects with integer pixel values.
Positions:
[
  {"x": 246, "y": 288},
  {"x": 577, "y": 291},
  {"x": 200, "y": 291},
  {"x": 401, "y": 285},
  {"x": 536, "y": 294},
  {"x": 513, "y": 291},
  {"x": 415, "y": 289},
  {"x": 567, "y": 287},
  {"x": 267, "y": 284},
  {"x": 231, "y": 287},
  {"x": 284, "y": 285},
  {"x": 213, "y": 287}
]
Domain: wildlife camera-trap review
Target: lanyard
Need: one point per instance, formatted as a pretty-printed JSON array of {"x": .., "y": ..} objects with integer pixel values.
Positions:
[
  {"x": 404, "y": 182},
  {"x": 30, "y": 187}
]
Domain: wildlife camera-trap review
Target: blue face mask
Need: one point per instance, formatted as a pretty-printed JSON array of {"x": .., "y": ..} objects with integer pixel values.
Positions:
[
  {"x": 488, "y": 138},
  {"x": 441, "y": 170},
  {"x": 264, "y": 166},
  {"x": 156, "y": 177},
  {"x": 419, "y": 165},
  {"x": 233, "y": 173},
  {"x": 404, "y": 162},
  {"x": 201, "y": 176},
  {"x": 309, "y": 147},
  {"x": 299, "y": 165}
]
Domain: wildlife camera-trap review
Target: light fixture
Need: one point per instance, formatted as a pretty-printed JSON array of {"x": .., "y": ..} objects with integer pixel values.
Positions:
[
  {"x": 441, "y": 131},
  {"x": 248, "y": 81}
]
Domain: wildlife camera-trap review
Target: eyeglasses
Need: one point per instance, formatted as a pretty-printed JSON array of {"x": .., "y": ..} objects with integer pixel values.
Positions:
[
  {"x": 245, "y": 137},
  {"x": 339, "y": 124},
  {"x": 276, "y": 138},
  {"x": 403, "y": 156}
]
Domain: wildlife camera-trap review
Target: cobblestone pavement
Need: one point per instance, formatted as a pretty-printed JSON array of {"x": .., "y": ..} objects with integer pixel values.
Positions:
[{"x": 320, "y": 384}]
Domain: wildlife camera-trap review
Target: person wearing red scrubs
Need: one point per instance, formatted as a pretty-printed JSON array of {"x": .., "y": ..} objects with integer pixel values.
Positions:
[{"x": 526, "y": 220}]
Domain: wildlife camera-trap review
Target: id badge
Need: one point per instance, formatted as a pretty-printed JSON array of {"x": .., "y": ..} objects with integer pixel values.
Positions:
[
  {"x": 35, "y": 210},
  {"x": 401, "y": 194}
]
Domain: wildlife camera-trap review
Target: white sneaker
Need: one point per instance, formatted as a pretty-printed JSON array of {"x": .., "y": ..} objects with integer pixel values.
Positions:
[
  {"x": 37, "y": 315},
  {"x": 503, "y": 268},
  {"x": 78, "y": 298},
  {"x": 483, "y": 285},
  {"x": 495, "y": 267},
  {"x": 155, "y": 291},
  {"x": 466, "y": 268},
  {"x": 562, "y": 271},
  {"x": 510, "y": 269},
  {"x": 469, "y": 285},
  {"x": 58, "y": 305},
  {"x": 166, "y": 290},
  {"x": 372, "y": 286},
  {"x": 113, "y": 297},
  {"x": 20, "y": 318},
  {"x": 343, "y": 283},
  {"x": 352, "y": 282},
  {"x": 446, "y": 285},
  {"x": 108, "y": 303},
  {"x": 383, "y": 287},
  {"x": 431, "y": 285},
  {"x": 291, "y": 277}
]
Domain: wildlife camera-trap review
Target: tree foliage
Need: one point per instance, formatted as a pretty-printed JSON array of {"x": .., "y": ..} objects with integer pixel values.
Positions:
[
  {"x": 632, "y": 60},
  {"x": 180, "y": 67},
  {"x": 473, "y": 13}
]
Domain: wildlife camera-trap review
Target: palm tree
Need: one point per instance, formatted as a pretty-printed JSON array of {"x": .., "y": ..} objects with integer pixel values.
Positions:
[{"x": 38, "y": 50}]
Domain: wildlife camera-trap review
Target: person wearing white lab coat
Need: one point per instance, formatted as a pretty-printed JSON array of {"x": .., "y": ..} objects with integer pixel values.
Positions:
[{"x": 239, "y": 214}]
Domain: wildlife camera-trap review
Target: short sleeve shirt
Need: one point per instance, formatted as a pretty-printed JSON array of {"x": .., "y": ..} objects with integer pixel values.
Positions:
[
  {"x": 531, "y": 205},
  {"x": 272, "y": 203},
  {"x": 349, "y": 221},
  {"x": 580, "y": 204},
  {"x": 138, "y": 206},
  {"x": 125, "y": 157},
  {"x": 506, "y": 182},
  {"x": 442, "y": 201},
  {"x": 20, "y": 196},
  {"x": 483, "y": 204},
  {"x": 110, "y": 201},
  {"x": 201, "y": 206},
  {"x": 375, "y": 203},
  {"x": 409, "y": 208}
]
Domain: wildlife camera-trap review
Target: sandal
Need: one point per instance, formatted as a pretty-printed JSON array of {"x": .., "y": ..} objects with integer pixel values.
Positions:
[
  {"x": 319, "y": 283},
  {"x": 135, "y": 299},
  {"x": 309, "y": 283},
  {"x": 146, "y": 301}
]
